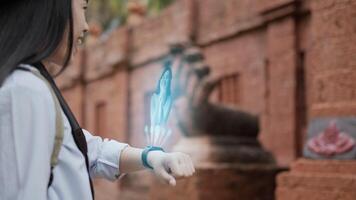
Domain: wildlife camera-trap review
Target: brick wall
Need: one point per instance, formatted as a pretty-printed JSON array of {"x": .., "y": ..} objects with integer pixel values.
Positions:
[
  {"x": 293, "y": 59},
  {"x": 106, "y": 107},
  {"x": 330, "y": 63},
  {"x": 327, "y": 44}
]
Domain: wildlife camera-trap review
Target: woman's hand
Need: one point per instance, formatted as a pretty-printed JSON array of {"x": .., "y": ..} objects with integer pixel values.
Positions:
[{"x": 169, "y": 166}]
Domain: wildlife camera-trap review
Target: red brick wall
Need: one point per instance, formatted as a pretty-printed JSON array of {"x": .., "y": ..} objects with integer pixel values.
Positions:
[
  {"x": 282, "y": 84},
  {"x": 331, "y": 61},
  {"x": 294, "y": 62},
  {"x": 107, "y": 98},
  {"x": 74, "y": 97},
  {"x": 244, "y": 56},
  {"x": 256, "y": 41},
  {"x": 328, "y": 43},
  {"x": 151, "y": 39}
]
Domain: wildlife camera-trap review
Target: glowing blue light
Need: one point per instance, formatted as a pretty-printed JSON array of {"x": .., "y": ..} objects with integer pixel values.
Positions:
[{"x": 161, "y": 104}]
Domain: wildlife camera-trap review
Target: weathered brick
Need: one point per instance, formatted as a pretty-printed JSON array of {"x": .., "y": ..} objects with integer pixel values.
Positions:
[
  {"x": 152, "y": 38},
  {"x": 228, "y": 182},
  {"x": 108, "y": 54},
  {"x": 216, "y": 19},
  {"x": 329, "y": 59},
  {"x": 280, "y": 113},
  {"x": 122, "y": 70},
  {"x": 310, "y": 179},
  {"x": 111, "y": 94},
  {"x": 75, "y": 97}
]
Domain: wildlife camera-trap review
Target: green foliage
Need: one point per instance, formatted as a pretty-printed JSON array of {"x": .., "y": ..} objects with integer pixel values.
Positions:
[
  {"x": 155, "y": 6},
  {"x": 105, "y": 11}
]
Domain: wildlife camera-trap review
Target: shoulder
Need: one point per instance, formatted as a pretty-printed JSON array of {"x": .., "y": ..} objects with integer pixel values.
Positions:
[
  {"x": 21, "y": 80},
  {"x": 23, "y": 88}
]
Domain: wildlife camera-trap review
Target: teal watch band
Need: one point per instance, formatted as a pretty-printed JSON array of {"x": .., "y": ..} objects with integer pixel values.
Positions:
[{"x": 145, "y": 153}]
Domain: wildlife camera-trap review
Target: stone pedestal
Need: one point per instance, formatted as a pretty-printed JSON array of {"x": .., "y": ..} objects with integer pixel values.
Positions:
[
  {"x": 223, "y": 182},
  {"x": 224, "y": 149},
  {"x": 318, "y": 180},
  {"x": 226, "y": 169}
]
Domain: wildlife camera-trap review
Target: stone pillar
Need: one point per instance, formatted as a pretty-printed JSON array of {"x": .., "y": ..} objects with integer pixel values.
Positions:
[
  {"x": 281, "y": 85},
  {"x": 330, "y": 68}
]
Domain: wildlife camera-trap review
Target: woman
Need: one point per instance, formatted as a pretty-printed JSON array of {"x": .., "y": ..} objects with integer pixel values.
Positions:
[
  {"x": 161, "y": 101},
  {"x": 33, "y": 35}
]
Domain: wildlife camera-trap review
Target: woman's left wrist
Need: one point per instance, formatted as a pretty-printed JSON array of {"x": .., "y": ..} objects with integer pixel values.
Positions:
[
  {"x": 149, "y": 155},
  {"x": 153, "y": 156}
]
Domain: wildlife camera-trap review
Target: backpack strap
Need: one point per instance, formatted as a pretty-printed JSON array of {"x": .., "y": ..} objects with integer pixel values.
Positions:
[{"x": 59, "y": 123}]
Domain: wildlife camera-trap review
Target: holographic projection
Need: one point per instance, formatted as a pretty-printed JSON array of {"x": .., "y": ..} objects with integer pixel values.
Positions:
[{"x": 161, "y": 103}]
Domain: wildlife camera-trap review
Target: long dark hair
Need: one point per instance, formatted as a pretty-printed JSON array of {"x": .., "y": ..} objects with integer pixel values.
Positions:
[{"x": 31, "y": 30}]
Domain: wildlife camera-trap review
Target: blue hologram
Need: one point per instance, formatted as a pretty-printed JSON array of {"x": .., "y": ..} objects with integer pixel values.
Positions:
[{"x": 160, "y": 103}]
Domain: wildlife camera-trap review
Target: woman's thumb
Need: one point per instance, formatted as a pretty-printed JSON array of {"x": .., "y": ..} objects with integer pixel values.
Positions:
[{"x": 167, "y": 177}]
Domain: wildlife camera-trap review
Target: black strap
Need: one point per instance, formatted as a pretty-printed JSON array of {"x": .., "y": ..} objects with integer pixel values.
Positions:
[
  {"x": 23, "y": 68},
  {"x": 77, "y": 131},
  {"x": 50, "y": 181}
]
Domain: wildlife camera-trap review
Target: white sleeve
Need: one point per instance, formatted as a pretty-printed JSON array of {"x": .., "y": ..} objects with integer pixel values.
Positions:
[
  {"x": 104, "y": 157},
  {"x": 26, "y": 142}
]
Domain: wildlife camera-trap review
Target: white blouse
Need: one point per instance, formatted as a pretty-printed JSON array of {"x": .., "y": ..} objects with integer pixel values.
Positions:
[{"x": 27, "y": 130}]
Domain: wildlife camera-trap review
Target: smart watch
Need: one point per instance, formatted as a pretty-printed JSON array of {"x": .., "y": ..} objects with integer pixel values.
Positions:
[{"x": 145, "y": 154}]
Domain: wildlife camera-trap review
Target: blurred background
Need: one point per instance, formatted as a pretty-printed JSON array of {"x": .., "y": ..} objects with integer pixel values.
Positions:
[{"x": 266, "y": 79}]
